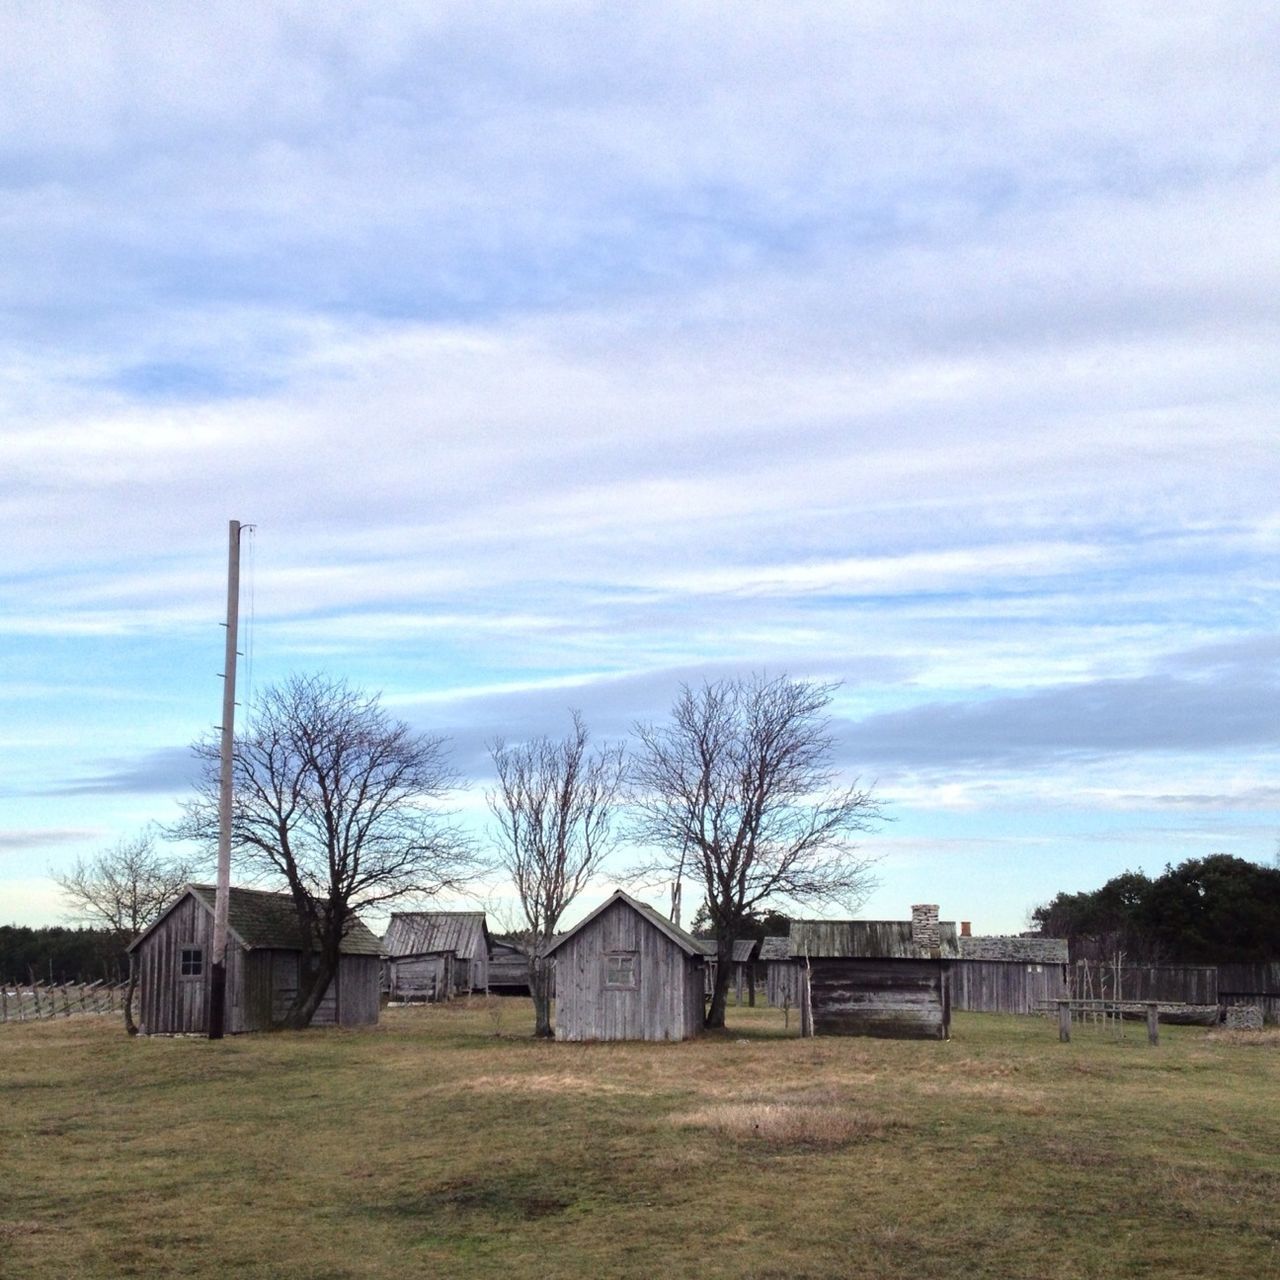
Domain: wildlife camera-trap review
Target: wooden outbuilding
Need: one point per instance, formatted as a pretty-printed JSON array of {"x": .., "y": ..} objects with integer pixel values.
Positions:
[
  {"x": 626, "y": 972},
  {"x": 745, "y": 952},
  {"x": 435, "y": 955},
  {"x": 878, "y": 977},
  {"x": 264, "y": 954},
  {"x": 1009, "y": 974}
]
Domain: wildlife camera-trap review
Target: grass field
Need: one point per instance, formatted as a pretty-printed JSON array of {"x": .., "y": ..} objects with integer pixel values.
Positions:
[{"x": 445, "y": 1142}]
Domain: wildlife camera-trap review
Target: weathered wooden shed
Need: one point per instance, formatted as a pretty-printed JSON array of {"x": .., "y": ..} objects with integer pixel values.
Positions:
[
  {"x": 781, "y": 976},
  {"x": 745, "y": 951},
  {"x": 508, "y": 968},
  {"x": 174, "y": 960},
  {"x": 1009, "y": 974},
  {"x": 434, "y": 955},
  {"x": 626, "y": 972},
  {"x": 878, "y": 977}
]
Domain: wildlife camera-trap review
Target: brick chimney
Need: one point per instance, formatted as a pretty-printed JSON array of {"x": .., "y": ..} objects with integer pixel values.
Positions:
[
  {"x": 966, "y": 930},
  {"x": 924, "y": 930}
]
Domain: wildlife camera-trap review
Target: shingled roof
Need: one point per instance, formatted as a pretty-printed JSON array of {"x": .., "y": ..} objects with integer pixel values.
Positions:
[
  {"x": 685, "y": 941},
  {"x": 866, "y": 940},
  {"x": 1018, "y": 949},
  {"x": 258, "y": 919},
  {"x": 417, "y": 933},
  {"x": 775, "y": 947}
]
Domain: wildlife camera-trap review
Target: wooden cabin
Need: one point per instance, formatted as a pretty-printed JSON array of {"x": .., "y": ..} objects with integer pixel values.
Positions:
[
  {"x": 781, "y": 977},
  {"x": 745, "y": 952},
  {"x": 436, "y": 955},
  {"x": 174, "y": 961},
  {"x": 878, "y": 977},
  {"x": 1008, "y": 974},
  {"x": 626, "y": 972},
  {"x": 508, "y": 968}
]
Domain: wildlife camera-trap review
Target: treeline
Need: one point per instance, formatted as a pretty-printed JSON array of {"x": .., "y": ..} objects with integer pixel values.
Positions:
[
  {"x": 59, "y": 954},
  {"x": 1214, "y": 910}
]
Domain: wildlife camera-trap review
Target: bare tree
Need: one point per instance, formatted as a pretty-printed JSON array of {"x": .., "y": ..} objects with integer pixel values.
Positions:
[
  {"x": 125, "y": 889},
  {"x": 738, "y": 787},
  {"x": 340, "y": 802},
  {"x": 554, "y": 806}
]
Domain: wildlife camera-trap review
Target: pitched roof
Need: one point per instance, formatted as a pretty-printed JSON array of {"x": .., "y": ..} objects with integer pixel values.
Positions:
[
  {"x": 866, "y": 940},
  {"x": 258, "y": 919},
  {"x": 1022, "y": 950},
  {"x": 743, "y": 948},
  {"x": 415, "y": 933},
  {"x": 687, "y": 943},
  {"x": 775, "y": 948}
]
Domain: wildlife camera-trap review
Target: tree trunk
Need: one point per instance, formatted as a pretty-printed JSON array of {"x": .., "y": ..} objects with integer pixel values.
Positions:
[
  {"x": 540, "y": 988},
  {"x": 720, "y": 992},
  {"x": 313, "y": 982},
  {"x": 130, "y": 1026}
]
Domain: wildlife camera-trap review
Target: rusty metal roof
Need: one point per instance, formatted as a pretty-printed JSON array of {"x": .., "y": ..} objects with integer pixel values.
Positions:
[
  {"x": 866, "y": 940},
  {"x": 416, "y": 933}
]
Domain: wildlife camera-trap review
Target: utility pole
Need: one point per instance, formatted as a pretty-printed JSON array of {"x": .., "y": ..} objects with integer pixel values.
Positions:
[{"x": 218, "y": 969}]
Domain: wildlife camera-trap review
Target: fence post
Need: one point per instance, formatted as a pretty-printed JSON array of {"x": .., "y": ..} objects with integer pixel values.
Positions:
[
  {"x": 1064, "y": 1021},
  {"x": 1153, "y": 1023}
]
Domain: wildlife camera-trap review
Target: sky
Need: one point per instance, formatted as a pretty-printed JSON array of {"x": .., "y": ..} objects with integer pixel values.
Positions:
[{"x": 560, "y": 353}]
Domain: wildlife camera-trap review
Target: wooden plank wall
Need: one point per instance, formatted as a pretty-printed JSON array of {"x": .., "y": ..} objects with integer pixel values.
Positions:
[
  {"x": 1167, "y": 983},
  {"x": 1005, "y": 986},
  {"x": 782, "y": 982},
  {"x": 358, "y": 1003},
  {"x": 424, "y": 977},
  {"x": 666, "y": 1003},
  {"x": 902, "y": 999},
  {"x": 169, "y": 1004},
  {"x": 1252, "y": 984}
]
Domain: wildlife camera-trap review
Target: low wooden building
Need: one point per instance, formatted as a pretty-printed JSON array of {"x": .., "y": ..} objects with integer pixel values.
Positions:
[
  {"x": 508, "y": 968},
  {"x": 264, "y": 953},
  {"x": 435, "y": 955},
  {"x": 1257, "y": 984},
  {"x": 781, "y": 976},
  {"x": 1009, "y": 974},
  {"x": 626, "y": 972},
  {"x": 878, "y": 977},
  {"x": 745, "y": 951}
]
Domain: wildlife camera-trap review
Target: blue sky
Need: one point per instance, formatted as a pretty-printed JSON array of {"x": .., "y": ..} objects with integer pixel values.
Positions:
[{"x": 563, "y": 352}]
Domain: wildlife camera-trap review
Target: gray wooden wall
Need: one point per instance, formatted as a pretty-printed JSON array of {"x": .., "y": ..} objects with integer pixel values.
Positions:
[
  {"x": 902, "y": 999},
  {"x": 261, "y": 984},
  {"x": 1005, "y": 986},
  {"x": 666, "y": 1004}
]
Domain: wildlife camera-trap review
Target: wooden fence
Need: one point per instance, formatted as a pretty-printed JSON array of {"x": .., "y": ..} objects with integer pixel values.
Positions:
[{"x": 59, "y": 1000}]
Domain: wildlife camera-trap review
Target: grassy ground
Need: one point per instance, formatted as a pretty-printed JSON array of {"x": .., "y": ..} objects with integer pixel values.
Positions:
[{"x": 447, "y": 1143}]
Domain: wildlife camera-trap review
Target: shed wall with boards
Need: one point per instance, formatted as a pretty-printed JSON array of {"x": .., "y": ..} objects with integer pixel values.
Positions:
[
  {"x": 174, "y": 964},
  {"x": 621, "y": 976}
]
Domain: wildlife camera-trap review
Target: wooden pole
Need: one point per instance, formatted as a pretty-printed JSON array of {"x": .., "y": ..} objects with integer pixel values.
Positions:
[
  {"x": 218, "y": 969},
  {"x": 1064, "y": 1021},
  {"x": 1153, "y": 1023},
  {"x": 806, "y": 1002}
]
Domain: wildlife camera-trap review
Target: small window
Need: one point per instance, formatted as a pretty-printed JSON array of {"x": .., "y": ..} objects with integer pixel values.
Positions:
[
  {"x": 621, "y": 969},
  {"x": 192, "y": 962}
]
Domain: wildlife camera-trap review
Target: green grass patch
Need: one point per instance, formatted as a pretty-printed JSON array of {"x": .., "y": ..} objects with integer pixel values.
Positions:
[{"x": 447, "y": 1142}]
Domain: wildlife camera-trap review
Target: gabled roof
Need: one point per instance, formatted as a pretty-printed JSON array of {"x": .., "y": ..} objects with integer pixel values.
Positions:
[
  {"x": 1021, "y": 950},
  {"x": 258, "y": 919},
  {"x": 687, "y": 943},
  {"x": 866, "y": 940},
  {"x": 775, "y": 948},
  {"x": 416, "y": 933},
  {"x": 744, "y": 949}
]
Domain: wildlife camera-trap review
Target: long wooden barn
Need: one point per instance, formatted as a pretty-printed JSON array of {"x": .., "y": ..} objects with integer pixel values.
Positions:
[
  {"x": 626, "y": 972},
  {"x": 1008, "y": 974},
  {"x": 887, "y": 978},
  {"x": 264, "y": 953},
  {"x": 435, "y": 955}
]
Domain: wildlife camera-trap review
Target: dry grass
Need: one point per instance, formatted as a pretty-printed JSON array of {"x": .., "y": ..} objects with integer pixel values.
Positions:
[{"x": 433, "y": 1146}]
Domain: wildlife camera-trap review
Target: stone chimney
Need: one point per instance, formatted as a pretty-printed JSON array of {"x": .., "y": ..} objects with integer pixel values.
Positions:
[
  {"x": 966, "y": 930},
  {"x": 924, "y": 930}
]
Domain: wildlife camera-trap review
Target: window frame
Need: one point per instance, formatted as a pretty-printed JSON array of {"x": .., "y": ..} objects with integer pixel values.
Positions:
[
  {"x": 191, "y": 954},
  {"x": 632, "y": 981}
]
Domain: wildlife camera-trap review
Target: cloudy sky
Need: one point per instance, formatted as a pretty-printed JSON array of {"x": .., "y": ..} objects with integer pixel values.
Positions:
[{"x": 563, "y": 352}]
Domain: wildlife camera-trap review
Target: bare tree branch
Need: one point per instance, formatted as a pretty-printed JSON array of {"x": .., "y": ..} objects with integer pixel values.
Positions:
[
  {"x": 554, "y": 808},
  {"x": 739, "y": 786},
  {"x": 340, "y": 802}
]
